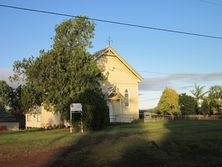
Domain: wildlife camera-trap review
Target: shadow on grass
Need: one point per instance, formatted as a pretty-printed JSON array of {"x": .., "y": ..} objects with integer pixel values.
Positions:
[
  {"x": 173, "y": 143},
  {"x": 77, "y": 154}
]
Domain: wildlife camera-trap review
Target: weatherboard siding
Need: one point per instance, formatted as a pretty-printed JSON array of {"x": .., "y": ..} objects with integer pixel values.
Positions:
[
  {"x": 42, "y": 119},
  {"x": 120, "y": 76}
]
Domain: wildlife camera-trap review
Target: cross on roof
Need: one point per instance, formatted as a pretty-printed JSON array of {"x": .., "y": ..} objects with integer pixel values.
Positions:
[{"x": 109, "y": 40}]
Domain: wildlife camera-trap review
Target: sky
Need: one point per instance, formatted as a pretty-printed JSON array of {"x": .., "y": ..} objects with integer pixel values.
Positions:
[{"x": 163, "y": 59}]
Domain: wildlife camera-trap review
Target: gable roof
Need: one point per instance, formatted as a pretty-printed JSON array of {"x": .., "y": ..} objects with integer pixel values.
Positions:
[
  {"x": 112, "y": 52},
  {"x": 113, "y": 93}
]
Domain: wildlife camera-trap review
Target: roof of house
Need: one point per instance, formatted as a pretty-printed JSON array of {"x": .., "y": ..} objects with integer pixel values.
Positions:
[
  {"x": 6, "y": 117},
  {"x": 110, "y": 51},
  {"x": 113, "y": 93}
]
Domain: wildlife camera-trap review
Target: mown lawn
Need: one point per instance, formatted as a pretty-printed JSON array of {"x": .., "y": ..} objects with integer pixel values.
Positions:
[
  {"x": 162, "y": 143},
  {"x": 36, "y": 140}
]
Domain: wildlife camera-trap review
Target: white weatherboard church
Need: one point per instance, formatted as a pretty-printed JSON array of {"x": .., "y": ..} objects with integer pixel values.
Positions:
[
  {"x": 121, "y": 87},
  {"x": 121, "y": 90}
]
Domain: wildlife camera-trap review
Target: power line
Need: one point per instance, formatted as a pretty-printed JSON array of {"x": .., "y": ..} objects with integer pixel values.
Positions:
[{"x": 114, "y": 22}]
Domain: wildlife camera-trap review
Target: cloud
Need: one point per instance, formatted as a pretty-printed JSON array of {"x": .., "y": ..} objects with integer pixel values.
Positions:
[
  {"x": 4, "y": 75},
  {"x": 184, "y": 80}
]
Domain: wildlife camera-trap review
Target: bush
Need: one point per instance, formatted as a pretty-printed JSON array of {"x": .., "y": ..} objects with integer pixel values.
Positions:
[
  {"x": 169, "y": 103},
  {"x": 188, "y": 104},
  {"x": 95, "y": 110}
]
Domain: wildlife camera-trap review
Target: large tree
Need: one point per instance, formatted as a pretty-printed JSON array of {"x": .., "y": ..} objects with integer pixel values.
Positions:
[
  {"x": 169, "y": 102},
  {"x": 213, "y": 103},
  {"x": 198, "y": 93},
  {"x": 11, "y": 101},
  {"x": 62, "y": 75},
  {"x": 6, "y": 95},
  {"x": 187, "y": 104}
]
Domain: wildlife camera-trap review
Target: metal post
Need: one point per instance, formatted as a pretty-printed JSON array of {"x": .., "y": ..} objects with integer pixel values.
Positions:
[
  {"x": 70, "y": 122},
  {"x": 81, "y": 124}
]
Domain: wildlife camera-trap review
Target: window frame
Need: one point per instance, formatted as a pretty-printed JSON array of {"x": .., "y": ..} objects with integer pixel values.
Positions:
[
  {"x": 126, "y": 96},
  {"x": 28, "y": 118},
  {"x": 38, "y": 118}
]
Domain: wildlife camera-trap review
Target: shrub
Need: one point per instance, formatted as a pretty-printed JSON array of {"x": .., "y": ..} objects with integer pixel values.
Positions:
[
  {"x": 169, "y": 102},
  {"x": 95, "y": 110},
  {"x": 188, "y": 104}
]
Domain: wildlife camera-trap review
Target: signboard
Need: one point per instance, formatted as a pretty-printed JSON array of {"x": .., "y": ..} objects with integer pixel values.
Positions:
[{"x": 76, "y": 107}]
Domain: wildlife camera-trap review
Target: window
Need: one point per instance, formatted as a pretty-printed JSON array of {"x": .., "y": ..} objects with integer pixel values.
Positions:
[
  {"x": 126, "y": 95},
  {"x": 38, "y": 118},
  {"x": 28, "y": 118}
]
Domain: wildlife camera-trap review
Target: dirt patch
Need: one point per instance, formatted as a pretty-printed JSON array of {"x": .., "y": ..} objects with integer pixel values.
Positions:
[{"x": 31, "y": 159}]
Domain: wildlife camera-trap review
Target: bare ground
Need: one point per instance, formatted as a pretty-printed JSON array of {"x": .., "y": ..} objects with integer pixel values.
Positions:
[{"x": 32, "y": 159}]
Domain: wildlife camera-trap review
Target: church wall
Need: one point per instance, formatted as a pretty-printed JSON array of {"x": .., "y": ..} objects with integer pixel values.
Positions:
[{"x": 122, "y": 78}]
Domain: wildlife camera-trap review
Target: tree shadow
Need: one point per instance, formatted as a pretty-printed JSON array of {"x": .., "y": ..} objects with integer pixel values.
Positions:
[
  {"x": 168, "y": 143},
  {"x": 181, "y": 146},
  {"x": 77, "y": 154},
  {"x": 120, "y": 145}
]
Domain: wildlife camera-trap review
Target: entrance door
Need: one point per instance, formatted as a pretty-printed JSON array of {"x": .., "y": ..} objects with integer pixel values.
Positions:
[{"x": 116, "y": 110}]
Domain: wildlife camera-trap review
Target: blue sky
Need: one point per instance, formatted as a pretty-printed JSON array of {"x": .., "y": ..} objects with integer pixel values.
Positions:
[{"x": 163, "y": 59}]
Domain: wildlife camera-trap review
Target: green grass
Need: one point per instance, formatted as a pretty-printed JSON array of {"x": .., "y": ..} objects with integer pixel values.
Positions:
[
  {"x": 36, "y": 140},
  {"x": 162, "y": 143}
]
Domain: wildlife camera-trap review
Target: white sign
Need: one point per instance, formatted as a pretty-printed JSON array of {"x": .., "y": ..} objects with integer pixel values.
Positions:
[{"x": 75, "y": 107}]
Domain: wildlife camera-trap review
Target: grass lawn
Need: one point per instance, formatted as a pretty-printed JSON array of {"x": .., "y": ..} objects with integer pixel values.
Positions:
[{"x": 162, "y": 143}]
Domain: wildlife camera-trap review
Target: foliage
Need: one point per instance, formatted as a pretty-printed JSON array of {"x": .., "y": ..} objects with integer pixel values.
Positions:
[
  {"x": 96, "y": 112},
  {"x": 187, "y": 104},
  {"x": 205, "y": 107},
  {"x": 29, "y": 97},
  {"x": 11, "y": 101},
  {"x": 6, "y": 95},
  {"x": 66, "y": 72},
  {"x": 213, "y": 103},
  {"x": 10, "y": 98},
  {"x": 169, "y": 102},
  {"x": 198, "y": 93}
]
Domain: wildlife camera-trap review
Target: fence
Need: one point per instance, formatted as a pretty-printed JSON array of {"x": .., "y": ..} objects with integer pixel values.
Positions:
[
  {"x": 127, "y": 118},
  {"x": 155, "y": 117}
]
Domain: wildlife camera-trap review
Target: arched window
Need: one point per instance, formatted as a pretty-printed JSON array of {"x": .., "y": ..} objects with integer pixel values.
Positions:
[{"x": 126, "y": 95}]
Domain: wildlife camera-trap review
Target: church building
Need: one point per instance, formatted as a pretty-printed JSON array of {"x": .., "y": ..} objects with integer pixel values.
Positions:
[{"x": 120, "y": 89}]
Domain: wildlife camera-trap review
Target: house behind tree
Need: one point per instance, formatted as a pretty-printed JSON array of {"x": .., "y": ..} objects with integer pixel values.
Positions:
[{"x": 120, "y": 89}]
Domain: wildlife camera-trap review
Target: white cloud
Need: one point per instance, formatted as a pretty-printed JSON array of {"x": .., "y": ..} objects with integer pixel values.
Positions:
[
  {"x": 159, "y": 83},
  {"x": 151, "y": 89},
  {"x": 4, "y": 75}
]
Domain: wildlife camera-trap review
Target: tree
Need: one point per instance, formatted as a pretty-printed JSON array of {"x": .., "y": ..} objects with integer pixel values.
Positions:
[
  {"x": 96, "y": 111},
  {"x": 6, "y": 95},
  {"x": 187, "y": 104},
  {"x": 198, "y": 93},
  {"x": 215, "y": 100},
  {"x": 10, "y": 101},
  {"x": 205, "y": 107},
  {"x": 169, "y": 102},
  {"x": 64, "y": 73}
]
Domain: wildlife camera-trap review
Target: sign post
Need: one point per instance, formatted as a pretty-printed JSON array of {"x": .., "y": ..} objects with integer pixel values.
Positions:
[{"x": 75, "y": 108}]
